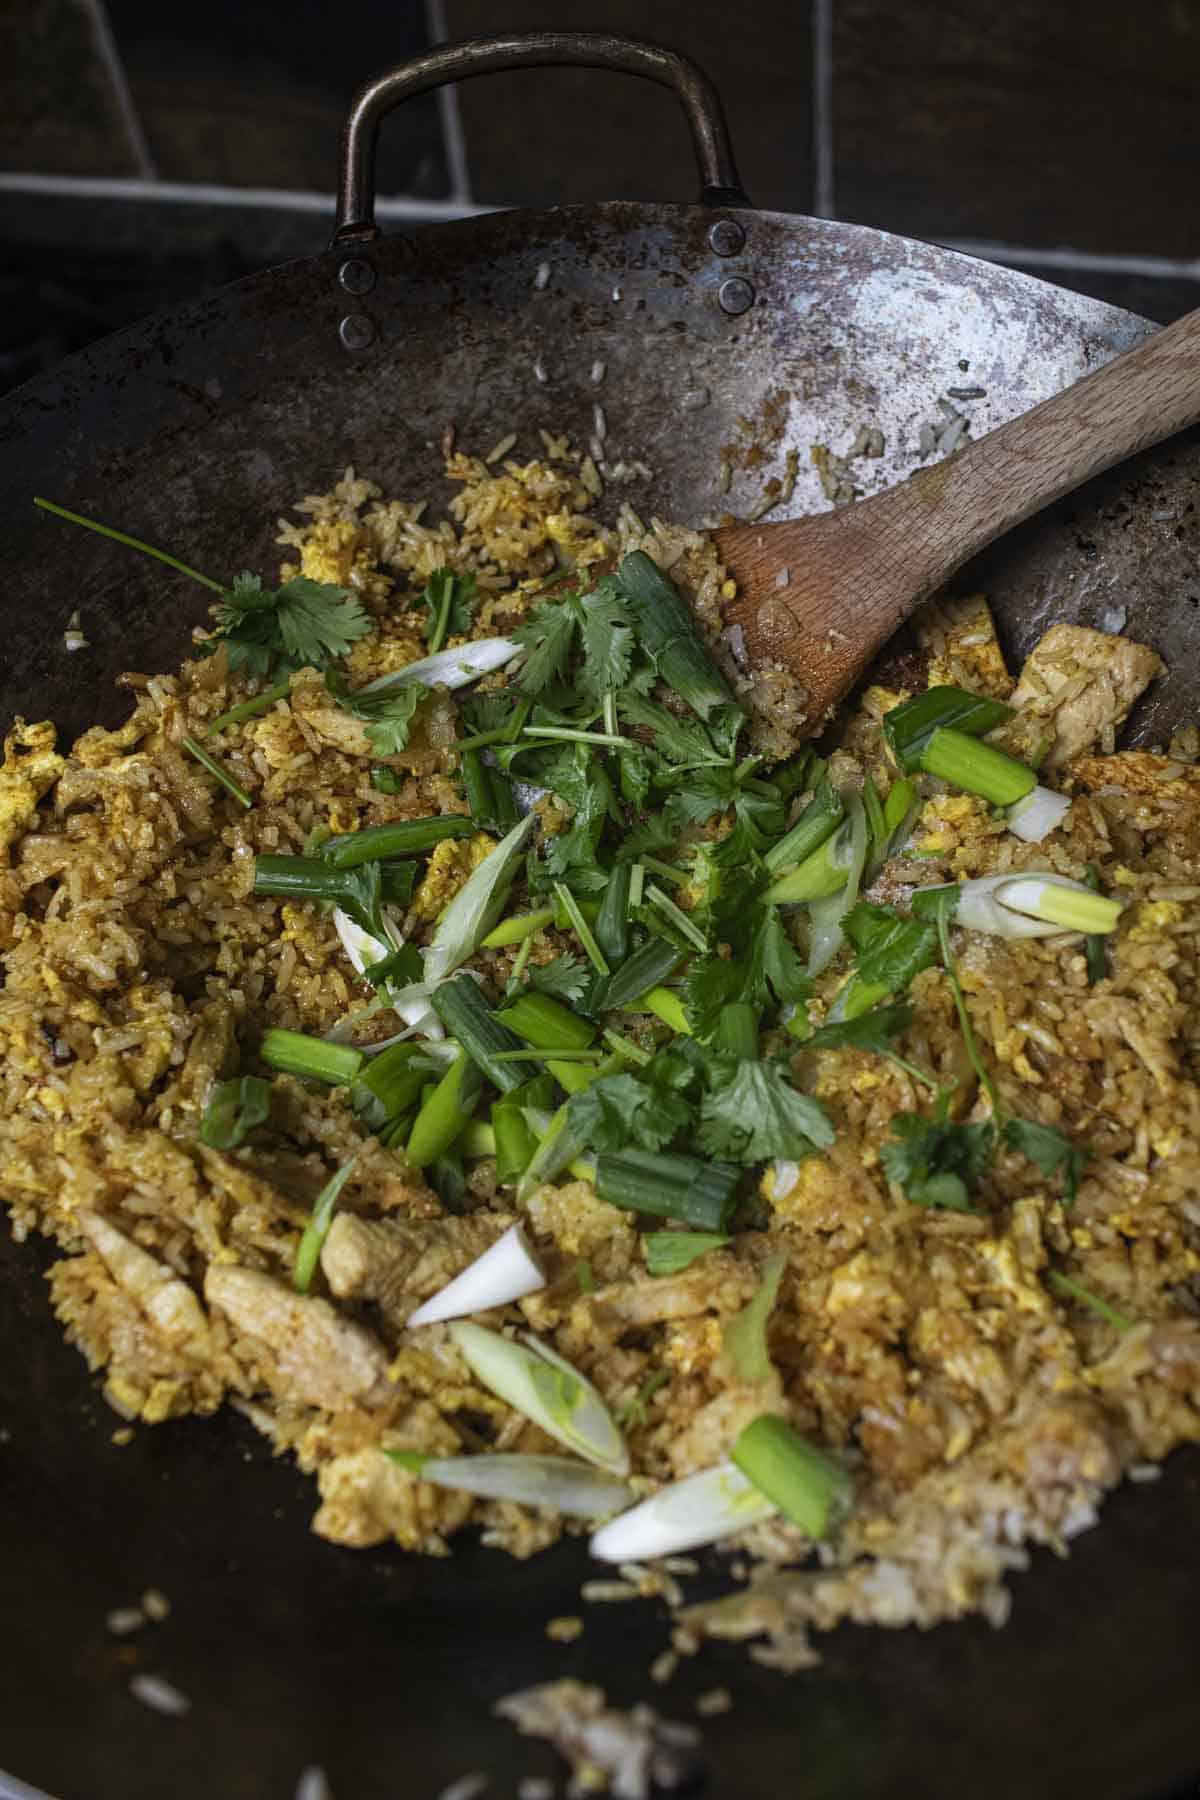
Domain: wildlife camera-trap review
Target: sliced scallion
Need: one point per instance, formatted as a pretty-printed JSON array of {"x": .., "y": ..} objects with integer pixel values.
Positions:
[
  {"x": 581, "y": 928},
  {"x": 1038, "y": 814},
  {"x": 471, "y": 1022},
  {"x": 559, "y": 1482},
  {"x": 517, "y": 929},
  {"x": 669, "y": 1186},
  {"x": 312, "y": 1058},
  {"x": 449, "y": 668},
  {"x": 232, "y": 1111},
  {"x": 675, "y": 916},
  {"x": 642, "y": 972},
  {"x": 317, "y": 1230},
  {"x": 445, "y": 1113},
  {"x": 249, "y": 709},
  {"x": 1096, "y": 949},
  {"x": 477, "y": 906},
  {"x": 978, "y": 768},
  {"x": 909, "y": 727},
  {"x": 546, "y": 1023},
  {"x": 666, "y": 1005},
  {"x": 819, "y": 820},
  {"x": 1075, "y": 1290},
  {"x": 506, "y": 1271},
  {"x": 667, "y": 628},
  {"x": 670, "y": 1252},
  {"x": 612, "y": 921},
  {"x": 543, "y": 1386},
  {"x": 807, "y": 1486},
  {"x": 1069, "y": 907},
  {"x": 379, "y": 843},
  {"x": 701, "y": 1509}
]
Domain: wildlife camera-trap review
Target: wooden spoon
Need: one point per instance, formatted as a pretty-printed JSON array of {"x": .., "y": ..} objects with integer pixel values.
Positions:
[{"x": 854, "y": 575}]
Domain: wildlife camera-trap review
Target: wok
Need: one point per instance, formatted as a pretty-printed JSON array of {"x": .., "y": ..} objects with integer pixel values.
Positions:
[{"x": 711, "y": 325}]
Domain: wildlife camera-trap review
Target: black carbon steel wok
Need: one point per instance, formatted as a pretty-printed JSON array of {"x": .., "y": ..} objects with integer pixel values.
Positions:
[{"x": 694, "y": 328}]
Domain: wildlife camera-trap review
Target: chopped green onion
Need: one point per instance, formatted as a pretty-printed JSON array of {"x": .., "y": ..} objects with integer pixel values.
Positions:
[
  {"x": 667, "y": 628},
  {"x": 942, "y": 916},
  {"x": 665, "y": 1005},
  {"x": 700, "y": 1509},
  {"x": 626, "y": 1048},
  {"x": 407, "y": 837},
  {"x": 390, "y": 1084},
  {"x": 542, "y": 1054},
  {"x": 1072, "y": 908},
  {"x": 217, "y": 771},
  {"x": 1096, "y": 949},
  {"x": 388, "y": 781},
  {"x": 978, "y": 768},
  {"x": 582, "y": 929},
  {"x": 560, "y": 1482},
  {"x": 676, "y": 916},
  {"x": 585, "y": 1280},
  {"x": 515, "y": 1141},
  {"x": 546, "y": 1023},
  {"x": 612, "y": 921},
  {"x": 448, "y": 668},
  {"x": 540, "y": 1384},
  {"x": 1075, "y": 1290},
  {"x": 637, "y": 881},
  {"x": 668, "y": 1185},
  {"x": 478, "y": 1139},
  {"x": 232, "y": 1111},
  {"x": 520, "y": 961},
  {"x": 744, "y": 1339},
  {"x": 517, "y": 929},
  {"x": 477, "y": 906},
  {"x": 506, "y": 1271},
  {"x": 819, "y": 820},
  {"x": 445, "y": 1114},
  {"x": 644, "y": 971},
  {"x": 902, "y": 797},
  {"x": 312, "y": 1058},
  {"x": 821, "y": 874},
  {"x": 317, "y": 1230},
  {"x": 634, "y": 1411},
  {"x": 807, "y": 1486},
  {"x": 670, "y": 1252},
  {"x": 678, "y": 877},
  {"x": 1038, "y": 814},
  {"x": 468, "y": 1018},
  {"x": 249, "y": 709},
  {"x": 397, "y": 881},
  {"x": 874, "y": 811},
  {"x": 133, "y": 543},
  {"x": 557, "y": 1147},
  {"x": 909, "y": 727},
  {"x": 476, "y": 781}
]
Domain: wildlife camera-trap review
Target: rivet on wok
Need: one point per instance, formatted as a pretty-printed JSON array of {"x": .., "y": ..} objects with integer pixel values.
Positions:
[
  {"x": 356, "y": 331},
  {"x": 736, "y": 295},
  {"x": 356, "y": 276},
  {"x": 726, "y": 237}
]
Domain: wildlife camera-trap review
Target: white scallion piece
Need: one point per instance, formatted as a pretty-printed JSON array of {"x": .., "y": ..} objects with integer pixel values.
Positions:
[
  {"x": 557, "y": 1481},
  {"x": 1062, "y": 904},
  {"x": 1038, "y": 814},
  {"x": 476, "y": 907},
  {"x": 698, "y": 1510},
  {"x": 449, "y": 668},
  {"x": 505, "y": 1271},
  {"x": 411, "y": 1004},
  {"x": 547, "y": 1390},
  {"x": 981, "y": 907}
]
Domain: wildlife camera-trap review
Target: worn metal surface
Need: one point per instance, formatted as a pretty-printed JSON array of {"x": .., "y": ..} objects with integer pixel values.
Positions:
[{"x": 197, "y": 431}]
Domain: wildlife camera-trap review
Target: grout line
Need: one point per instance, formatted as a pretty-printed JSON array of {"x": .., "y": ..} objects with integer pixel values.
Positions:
[
  {"x": 822, "y": 109},
  {"x": 110, "y": 56},
  {"x": 450, "y": 112},
  {"x": 1062, "y": 256},
  {"x": 201, "y": 193}
]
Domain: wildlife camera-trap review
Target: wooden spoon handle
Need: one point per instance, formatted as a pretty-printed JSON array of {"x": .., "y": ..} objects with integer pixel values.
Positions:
[{"x": 931, "y": 524}]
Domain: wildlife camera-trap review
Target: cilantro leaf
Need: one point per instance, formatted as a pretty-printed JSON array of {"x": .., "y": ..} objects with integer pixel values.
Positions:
[
  {"x": 232, "y": 1111},
  {"x": 889, "y": 950},
  {"x": 582, "y": 781},
  {"x": 547, "y": 635},
  {"x": 388, "y": 717},
  {"x": 607, "y": 642},
  {"x": 752, "y": 1113},
  {"x": 764, "y": 964},
  {"x": 868, "y": 1031},
  {"x": 676, "y": 740},
  {"x": 566, "y": 978},
  {"x": 937, "y": 1162},
  {"x": 451, "y": 600},
  {"x": 619, "y": 1111},
  {"x": 1049, "y": 1149},
  {"x": 301, "y": 624}
]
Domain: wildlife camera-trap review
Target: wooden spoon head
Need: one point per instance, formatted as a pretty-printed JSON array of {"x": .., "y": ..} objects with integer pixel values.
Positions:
[{"x": 800, "y": 602}]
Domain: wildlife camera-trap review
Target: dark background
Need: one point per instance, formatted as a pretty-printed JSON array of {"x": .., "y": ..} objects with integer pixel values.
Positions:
[{"x": 149, "y": 151}]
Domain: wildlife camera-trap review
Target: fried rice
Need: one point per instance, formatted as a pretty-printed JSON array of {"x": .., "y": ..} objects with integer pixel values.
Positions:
[{"x": 981, "y": 1411}]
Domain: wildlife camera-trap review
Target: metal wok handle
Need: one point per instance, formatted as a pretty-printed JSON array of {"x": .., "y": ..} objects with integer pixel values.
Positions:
[{"x": 530, "y": 50}]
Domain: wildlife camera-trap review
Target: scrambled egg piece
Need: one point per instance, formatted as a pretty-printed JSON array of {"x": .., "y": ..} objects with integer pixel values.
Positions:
[
  {"x": 452, "y": 864},
  {"x": 953, "y": 821},
  {"x": 31, "y": 767},
  {"x": 1151, "y": 919},
  {"x": 336, "y": 551}
]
